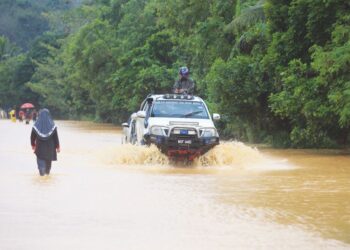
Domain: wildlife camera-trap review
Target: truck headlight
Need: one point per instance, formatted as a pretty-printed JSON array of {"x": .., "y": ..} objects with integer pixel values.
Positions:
[
  {"x": 208, "y": 132},
  {"x": 156, "y": 130}
]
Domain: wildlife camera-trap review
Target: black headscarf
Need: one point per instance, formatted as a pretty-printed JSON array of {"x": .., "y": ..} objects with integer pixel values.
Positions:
[{"x": 44, "y": 126}]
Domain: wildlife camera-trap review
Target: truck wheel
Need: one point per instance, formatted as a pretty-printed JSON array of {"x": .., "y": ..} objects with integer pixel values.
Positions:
[{"x": 133, "y": 139}]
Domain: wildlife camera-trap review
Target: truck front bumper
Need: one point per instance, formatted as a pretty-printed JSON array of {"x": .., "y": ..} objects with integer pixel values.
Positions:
[{"x": 188, "y": 147}]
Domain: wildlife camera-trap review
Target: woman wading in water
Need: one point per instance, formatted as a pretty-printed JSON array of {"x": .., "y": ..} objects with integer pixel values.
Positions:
[{"x": 44, "y": 140}]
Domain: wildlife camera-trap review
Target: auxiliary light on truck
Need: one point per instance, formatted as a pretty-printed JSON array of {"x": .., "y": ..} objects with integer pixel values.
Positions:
[{"x": 181, "y": 97}]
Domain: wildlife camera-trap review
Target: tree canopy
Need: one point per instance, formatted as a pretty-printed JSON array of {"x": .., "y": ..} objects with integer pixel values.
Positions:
[{"x": 277, "y": 70}]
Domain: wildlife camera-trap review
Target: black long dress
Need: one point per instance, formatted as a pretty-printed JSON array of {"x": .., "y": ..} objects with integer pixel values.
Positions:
[{"x": 45, "y": 147}]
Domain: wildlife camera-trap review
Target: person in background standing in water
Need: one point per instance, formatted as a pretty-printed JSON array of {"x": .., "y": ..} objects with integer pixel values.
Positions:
[
  {"x": 44, "y": 141},
  {"x": 20, "y": 115},
  {"x": 184, "y": 85},
  {"x": 34, "y": 115},
  {"x": 12, "y": 114}
]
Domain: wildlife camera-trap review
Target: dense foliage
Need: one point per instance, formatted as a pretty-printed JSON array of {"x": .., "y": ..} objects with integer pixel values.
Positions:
[
  {"x": 23, "y": 20},
  {"x": 277, "y": 70}
]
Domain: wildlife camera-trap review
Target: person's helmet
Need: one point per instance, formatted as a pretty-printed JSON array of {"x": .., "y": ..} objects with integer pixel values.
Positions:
[{"x": 184, "y": 71}]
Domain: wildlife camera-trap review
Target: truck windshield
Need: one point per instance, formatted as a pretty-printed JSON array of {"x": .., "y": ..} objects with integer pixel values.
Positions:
[{"x": 179, "y": 109}]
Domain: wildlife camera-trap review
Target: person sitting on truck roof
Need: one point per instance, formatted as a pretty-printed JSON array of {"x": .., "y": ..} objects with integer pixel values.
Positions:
[{"x": 184, "y": 85}]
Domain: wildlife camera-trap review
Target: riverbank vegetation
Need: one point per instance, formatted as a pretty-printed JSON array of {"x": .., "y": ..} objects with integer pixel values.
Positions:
[{"x": 277, "y": 70}]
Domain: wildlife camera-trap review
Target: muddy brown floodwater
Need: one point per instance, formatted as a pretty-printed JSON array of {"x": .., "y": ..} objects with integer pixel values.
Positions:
[{"x": 104, "y": 195}]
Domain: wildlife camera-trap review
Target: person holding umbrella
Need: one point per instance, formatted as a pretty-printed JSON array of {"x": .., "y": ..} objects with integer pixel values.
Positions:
[
  {"x": 27, "y": 111},
  {"x": 44, "y": 141}
]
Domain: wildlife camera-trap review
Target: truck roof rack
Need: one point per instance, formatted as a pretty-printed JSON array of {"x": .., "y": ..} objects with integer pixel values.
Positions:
[{"x": 178, "y": 96}]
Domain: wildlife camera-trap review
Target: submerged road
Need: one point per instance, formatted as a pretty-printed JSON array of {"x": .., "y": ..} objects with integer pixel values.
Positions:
[{"x": 104, "y": 195}]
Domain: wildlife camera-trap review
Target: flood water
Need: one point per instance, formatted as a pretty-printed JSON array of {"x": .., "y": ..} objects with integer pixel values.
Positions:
[{"x": 104, "y": 195}]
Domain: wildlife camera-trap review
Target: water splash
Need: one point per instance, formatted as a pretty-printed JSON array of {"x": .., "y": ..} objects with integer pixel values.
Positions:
[
  {"x": 232, "y": 154},
  {"x": 128, "y": 154}
]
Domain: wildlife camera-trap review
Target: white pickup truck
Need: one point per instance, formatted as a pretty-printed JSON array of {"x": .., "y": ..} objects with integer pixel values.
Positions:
[{"x": 179, "y": 125}]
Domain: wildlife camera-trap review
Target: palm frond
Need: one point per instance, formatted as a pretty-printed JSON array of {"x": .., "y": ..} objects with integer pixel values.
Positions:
[{"x": 247, "y": 18}]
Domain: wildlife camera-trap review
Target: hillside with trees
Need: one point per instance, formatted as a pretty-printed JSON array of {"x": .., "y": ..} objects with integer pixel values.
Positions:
[
  {"x": 24, "y": 20},
  {"x": 277, "y": 70}
]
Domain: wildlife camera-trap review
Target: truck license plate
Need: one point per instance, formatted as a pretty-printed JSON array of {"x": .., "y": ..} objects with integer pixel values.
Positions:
[{"x": 184, "y": 141}]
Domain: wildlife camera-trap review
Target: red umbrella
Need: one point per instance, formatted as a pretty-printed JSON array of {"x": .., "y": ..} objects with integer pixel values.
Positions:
[{"x": 27, "y": 106}]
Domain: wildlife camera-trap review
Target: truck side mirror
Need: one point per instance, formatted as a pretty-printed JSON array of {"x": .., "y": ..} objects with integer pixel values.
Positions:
[
  {"x": 141, "y": 114},
  {"x": 216, "y": 117},
  {"x": 125, "y": 125}
]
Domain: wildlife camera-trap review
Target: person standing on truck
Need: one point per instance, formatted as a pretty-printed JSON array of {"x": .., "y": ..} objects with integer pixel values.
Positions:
[
  {"x": 184, "y": 85},
  {"x": 44, "y": 141}
]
